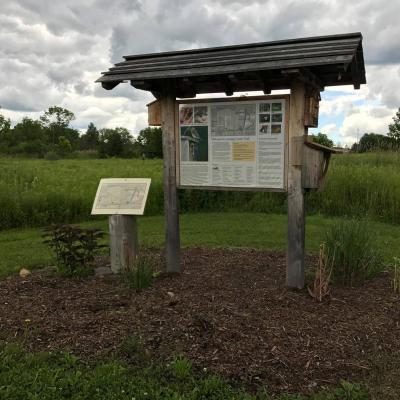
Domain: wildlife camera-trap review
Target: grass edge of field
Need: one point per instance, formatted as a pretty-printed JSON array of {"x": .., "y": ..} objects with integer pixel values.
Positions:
[{"x": 23, "y": 248}]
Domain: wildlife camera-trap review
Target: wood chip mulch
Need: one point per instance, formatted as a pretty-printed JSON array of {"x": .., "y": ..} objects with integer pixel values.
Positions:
[{"x": 229, "y": 312}]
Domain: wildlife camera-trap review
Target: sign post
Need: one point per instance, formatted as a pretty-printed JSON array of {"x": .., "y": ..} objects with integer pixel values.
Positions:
[{"x": 122, "y": 199}]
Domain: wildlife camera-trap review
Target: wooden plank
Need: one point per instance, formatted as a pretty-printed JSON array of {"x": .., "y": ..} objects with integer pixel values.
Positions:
[
  {"x": 313, "y": 167},
  {"x": 171, "y": 206},
  {"x": 296, "y": 201},
  {"x": 239, "y": 99},
  {"x": 124, "y": 244},
  {"x": 262, "y": 52},
  {"x": 356, "y": 36},
  {"x": 321, "y": 147},
  {"x": 246, "y": 59},
  {"x": 154, "y": 113},
  {"x": 222, "y": 69},
  {"x": 234, "y": 189}
]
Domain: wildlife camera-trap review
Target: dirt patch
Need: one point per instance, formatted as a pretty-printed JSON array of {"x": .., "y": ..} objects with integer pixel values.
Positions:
[{"x": 229, "y": 313}]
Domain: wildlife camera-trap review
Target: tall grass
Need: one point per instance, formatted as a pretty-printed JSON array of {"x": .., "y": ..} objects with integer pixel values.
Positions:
[
  {"x": 39, "y": 192},
  {"x": 351, "y": 248},
  {"x": 361, "y": 185}
]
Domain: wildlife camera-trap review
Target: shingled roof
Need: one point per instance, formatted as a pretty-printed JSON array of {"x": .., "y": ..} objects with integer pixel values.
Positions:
[{"x": 323, "y": 60}]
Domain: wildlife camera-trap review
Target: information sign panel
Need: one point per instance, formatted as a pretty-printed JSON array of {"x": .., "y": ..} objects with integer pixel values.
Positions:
[
  {"x": 233, "y": 144},
  {"x": 126, "y": 196}
]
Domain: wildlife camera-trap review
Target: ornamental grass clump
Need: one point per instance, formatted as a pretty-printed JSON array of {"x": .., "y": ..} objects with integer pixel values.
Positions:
[
  {"x": 142, "y": 275},
  {"x": 351, "y": 248}
]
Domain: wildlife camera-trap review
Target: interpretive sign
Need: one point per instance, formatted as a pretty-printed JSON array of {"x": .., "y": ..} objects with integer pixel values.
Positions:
[
  {"x": 125, "y": 196},
  {"x": 233, "y": 144}
]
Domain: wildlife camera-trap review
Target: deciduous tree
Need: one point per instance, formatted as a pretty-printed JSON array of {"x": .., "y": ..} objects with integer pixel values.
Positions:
[
  {"x": 323, "y": 139},
  {"x": 149, "y": 142},
  {"x": 394, "y": 128}
]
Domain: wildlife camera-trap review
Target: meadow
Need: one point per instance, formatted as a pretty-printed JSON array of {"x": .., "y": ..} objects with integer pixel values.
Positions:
[{"x": 37, "y": 192}]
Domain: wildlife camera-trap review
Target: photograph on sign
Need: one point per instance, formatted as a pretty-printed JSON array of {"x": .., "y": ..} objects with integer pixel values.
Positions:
[
  {"x": 194, "y": 143},
  {"x": 201, "y": 115},
  {"x": 125, "y": 196},
  {"x": 236, "y": 144}
]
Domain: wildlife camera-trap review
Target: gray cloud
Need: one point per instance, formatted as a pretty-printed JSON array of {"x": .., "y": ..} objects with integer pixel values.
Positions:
[{"x": 51, "y": 52}]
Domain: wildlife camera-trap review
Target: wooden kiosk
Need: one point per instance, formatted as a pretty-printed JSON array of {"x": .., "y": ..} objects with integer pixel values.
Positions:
[{"x": 305, "y": 66}]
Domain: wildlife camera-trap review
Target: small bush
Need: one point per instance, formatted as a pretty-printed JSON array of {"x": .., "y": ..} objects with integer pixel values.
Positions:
[
  {"x": 132, "y": 348},
  {"x": 351, "y": 249},
  {"x": 74, "y": 247},
  {"x": 142, "y": 275},
  {"x": 181, "y": 367},
  {"x": 51, "y": 156}
]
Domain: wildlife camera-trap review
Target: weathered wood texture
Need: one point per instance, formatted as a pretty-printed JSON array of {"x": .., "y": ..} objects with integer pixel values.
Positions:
[
  {"x": 311, "y": 111},
  {"x": 171, "y": 205},
  {"x": 296, "y": 200},
  {"x": 315, "y": 167},
  {"x": 333, "y": 60},
  {"x": 123, "y": 242},
  {"x": 154, "y": 113}
]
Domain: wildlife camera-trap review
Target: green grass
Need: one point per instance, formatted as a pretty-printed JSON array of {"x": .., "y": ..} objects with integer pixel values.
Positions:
[
  {"x": 37, "y": 192},
  {"x": 24, "y": 247},
  {"x": 49, "y": 376}
]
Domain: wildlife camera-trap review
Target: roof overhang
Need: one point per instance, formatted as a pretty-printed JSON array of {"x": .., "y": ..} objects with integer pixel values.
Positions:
[{"x": 319, "y": 61}]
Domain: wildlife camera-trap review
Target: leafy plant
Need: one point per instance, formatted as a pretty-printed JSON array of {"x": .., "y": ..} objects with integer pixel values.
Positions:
[
  {"x": 323, "y": 273},
  {"x": 181, "y": 367},
  {"x": 143, "y": 273},
  {"x": 74, "y": 247},
  {"x": 351, "y": 249},
  {"x": 132, "y": 348}
]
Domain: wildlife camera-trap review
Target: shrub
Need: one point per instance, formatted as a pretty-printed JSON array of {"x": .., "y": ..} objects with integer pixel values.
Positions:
[
  {"x": 351, "y": 249},
  {"x": 51, "y": 156},
  {"x": 74, "y": 247},
  {"x": 141, "y": 277},
  {"x": 132, "y": 349}
]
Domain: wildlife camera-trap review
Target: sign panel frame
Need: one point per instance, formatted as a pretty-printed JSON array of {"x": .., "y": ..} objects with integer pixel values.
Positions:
[
  {"x": 137, "y": 187},
  {"x": 235, "y": 100}
]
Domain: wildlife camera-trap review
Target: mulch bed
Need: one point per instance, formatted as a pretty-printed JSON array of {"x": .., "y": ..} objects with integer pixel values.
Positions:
[{"x": 229, "y": 312}]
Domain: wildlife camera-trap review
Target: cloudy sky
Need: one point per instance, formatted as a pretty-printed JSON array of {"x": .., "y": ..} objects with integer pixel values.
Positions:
[{"x": 52, "y": 51}]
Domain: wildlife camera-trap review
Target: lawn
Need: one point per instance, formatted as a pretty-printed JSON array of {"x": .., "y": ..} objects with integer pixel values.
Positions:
[
  {"x": 24, "y": 247},
  {"x": 49, "y": 376}
]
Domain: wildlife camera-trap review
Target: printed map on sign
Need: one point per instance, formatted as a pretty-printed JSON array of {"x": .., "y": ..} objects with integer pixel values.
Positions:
[
  {"x": 233, "y": 120},
  {"x": 121, "y": 196}
]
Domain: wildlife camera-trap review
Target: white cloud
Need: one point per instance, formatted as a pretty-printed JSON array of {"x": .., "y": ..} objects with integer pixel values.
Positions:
[{"x": 365, "y": 120}]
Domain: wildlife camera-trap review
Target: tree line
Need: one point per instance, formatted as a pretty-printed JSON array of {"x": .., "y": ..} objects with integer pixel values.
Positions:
[
  {"x": 374, "y": 141},
  {"x": 371, "y": 141},
  {"x": 51, "y": 136}
]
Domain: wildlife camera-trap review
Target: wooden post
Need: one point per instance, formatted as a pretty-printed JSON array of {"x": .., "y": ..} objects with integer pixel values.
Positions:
[
  {"x": 171, "y": 206},
  {"x": 296, "y": 201},
  {"x": 123, "y": 242}
]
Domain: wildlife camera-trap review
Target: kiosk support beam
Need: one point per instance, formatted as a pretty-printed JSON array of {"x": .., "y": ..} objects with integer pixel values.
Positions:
[
  {"x": 296, "y": 198},
  {"x": 171, "y": 206}
]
